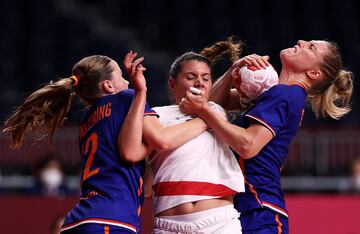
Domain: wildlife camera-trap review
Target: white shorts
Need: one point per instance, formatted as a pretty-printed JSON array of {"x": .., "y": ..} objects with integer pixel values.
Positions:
[{"x": 220, "y": 220}]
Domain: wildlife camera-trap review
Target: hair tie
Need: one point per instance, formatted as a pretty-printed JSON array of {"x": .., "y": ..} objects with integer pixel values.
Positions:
[{"x": 75, "y": 79}]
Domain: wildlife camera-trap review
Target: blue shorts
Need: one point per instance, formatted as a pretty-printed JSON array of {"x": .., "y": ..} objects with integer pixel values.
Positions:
[
  {"x": 95, "y": 228},
  {"x": 263, "y": 221}
]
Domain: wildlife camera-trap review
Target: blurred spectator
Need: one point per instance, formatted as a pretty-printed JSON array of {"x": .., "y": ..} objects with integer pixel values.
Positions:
[
  {"x": 352, "y": 185},
  {"x": 355, "y": 175},
  {"x": 49, "y": 178}
]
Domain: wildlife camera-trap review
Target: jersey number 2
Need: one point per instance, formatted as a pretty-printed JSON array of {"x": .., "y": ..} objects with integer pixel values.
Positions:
[{"x": 93, "y": 139}]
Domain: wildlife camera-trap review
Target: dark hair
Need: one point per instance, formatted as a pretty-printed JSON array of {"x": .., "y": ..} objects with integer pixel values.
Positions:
[
  {"x": 46, "y": 108},
  {"x": 221, "y": 48},
  {"x": 209, "y": 55},
  {"x": 176, "y": 66}
]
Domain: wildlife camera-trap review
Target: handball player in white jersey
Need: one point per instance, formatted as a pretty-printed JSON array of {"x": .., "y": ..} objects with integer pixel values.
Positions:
[{"x": 193, "y": 185}]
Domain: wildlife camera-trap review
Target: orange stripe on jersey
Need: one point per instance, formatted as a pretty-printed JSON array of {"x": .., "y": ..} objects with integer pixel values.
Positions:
[
  {"x": 279, "y": 224},
  {"x": 251, "y": 187},
  {"x": 141, "y": 181},
  {"x": 139, "y": 210},
  {"x": 170, "y": 188},
  {"x": 253, "y": 191},
  {"x": 106, "y": 230}
]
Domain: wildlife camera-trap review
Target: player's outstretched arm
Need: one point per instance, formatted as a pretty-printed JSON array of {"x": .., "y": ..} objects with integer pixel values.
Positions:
[{"x": 130, "y": 143}]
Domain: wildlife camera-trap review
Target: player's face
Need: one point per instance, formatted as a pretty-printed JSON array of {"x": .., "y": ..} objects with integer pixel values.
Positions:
[
  {"x": 304, "y": 56},
  {"x": 118, "y": 82},
  {"x": 193, "y": 73}
]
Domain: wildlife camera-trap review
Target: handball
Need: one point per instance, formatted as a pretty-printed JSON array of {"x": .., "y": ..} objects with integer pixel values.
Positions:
[{"x": 251, "y": 82}]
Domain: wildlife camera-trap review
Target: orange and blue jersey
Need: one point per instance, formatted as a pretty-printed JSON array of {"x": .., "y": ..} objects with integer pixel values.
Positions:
[
  {"x": 279, "y": 109},
  {"x": 112, "y": 189}
]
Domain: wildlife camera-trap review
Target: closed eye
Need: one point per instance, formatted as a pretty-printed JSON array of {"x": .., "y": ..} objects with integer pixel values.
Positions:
[
  {"x": 206, "y": 77},
  {"x": 313, "y": 47}
]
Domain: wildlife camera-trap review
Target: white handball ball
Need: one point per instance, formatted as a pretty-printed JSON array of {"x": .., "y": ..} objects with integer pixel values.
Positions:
[{"x": 251, "y": 82}]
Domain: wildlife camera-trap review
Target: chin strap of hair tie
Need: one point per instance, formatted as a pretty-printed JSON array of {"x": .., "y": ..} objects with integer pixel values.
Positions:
[{"x": 75, "y": 79}]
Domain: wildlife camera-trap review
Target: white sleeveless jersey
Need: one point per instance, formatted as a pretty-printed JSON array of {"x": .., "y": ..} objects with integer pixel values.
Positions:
[{"x": 202, "y": 168}]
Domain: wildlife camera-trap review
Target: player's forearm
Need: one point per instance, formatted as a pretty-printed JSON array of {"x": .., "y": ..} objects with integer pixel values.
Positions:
[
  {"x": 236, "y": 137},
  {"x": 130, "y": 138},
  {"x": 179, "y": 134},
  {"x": 220, "y": 91},
  {"x": 170, "y": 137}
]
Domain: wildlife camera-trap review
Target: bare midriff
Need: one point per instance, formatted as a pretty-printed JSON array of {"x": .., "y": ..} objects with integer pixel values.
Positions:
[{"x": 196, "y": 206}]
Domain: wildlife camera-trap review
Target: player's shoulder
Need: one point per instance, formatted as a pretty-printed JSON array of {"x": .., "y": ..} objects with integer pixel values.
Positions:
[
  {"x": 129, "y": 93},
  {"x": 278, "y": 89},
  {"x": 290, "y": 96},
  {"x": 283, "y": 88},
  {"x": 282, "y": 91},
  {"x": 124, "y": 96}
]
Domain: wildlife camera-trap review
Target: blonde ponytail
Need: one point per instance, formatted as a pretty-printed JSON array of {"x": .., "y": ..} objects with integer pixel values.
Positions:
[
  {"x": 334, "y": 102},
  {"x": 45, "y": 110},
  {"x": 331, "y": 96}
]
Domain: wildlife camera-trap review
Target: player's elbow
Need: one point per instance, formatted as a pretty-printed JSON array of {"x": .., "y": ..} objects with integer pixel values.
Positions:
[
  {"x": 247, "y": 149},
  {"x": 131, "y": 156},
  {"x": 247, "y": 154},
  {"x": 162, "y": 144}
]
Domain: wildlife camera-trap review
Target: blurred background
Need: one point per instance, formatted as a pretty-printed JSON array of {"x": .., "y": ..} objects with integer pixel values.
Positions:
[{"x": 42, "y": 39}]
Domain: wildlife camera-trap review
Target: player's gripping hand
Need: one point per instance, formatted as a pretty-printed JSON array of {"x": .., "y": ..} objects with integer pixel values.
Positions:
[
  {"x": 194, "y": 102},
  {"x": 135, "y": 71},
  {"x": 260, "y": 62}
]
